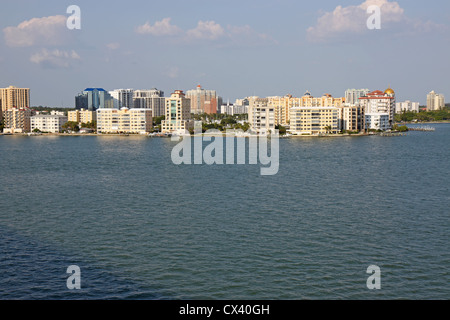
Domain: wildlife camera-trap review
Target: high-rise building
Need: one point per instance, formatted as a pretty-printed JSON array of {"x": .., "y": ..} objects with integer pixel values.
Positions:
[
  {"x": 435, "y": 101},
  {"x": 379, "y": 109},
  {"x": 204, "y": 101},
  {"x": 352, "y": 95},
  {"x": 122, "y": 98},
  {"x": 47, "y": 123},
  {"x": 13, "y": 97},
  {"x": 136, "y": 121},
  {"x": 17, "y": 120},
  {"x": 261, "y": 116},
  {"x": 93, "y": 98},
  {"x": 178, "y": 114},
  {"x": 150, "y": 99},
  {"x": 407, "y": 106}
]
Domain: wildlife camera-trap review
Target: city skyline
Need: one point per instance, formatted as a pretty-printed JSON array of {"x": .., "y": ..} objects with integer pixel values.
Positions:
[{"x": 240, "y": 49}]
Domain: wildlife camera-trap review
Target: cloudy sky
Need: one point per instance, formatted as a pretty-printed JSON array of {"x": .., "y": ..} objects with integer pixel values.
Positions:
[{"x": 239, "y": 48}]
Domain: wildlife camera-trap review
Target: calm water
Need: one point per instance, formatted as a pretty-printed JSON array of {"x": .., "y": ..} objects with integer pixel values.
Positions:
[{"x": 140, "y": 227}]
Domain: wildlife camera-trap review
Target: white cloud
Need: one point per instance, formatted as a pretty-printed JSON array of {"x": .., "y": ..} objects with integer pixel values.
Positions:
[
  {"x": 47, "y": 31},
  {"x": 55, "y": 59},
  {"x": 160, "y": 28},
  {"x": 353, "y": 20},
  {"x": 208, "y": 30}
]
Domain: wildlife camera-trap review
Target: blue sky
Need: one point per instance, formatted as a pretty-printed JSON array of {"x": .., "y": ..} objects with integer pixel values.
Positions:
[{"x": 239, "y": 48}]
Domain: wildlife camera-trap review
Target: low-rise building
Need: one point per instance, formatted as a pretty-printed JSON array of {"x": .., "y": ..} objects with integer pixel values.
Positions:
[
  {"x": 47, "y": 123},
  {"x": 17, "y": 120},
  {"x": 82, "y": 116},
  {"x": 125, "y": 120},
  {"x": 352, "y": 118},
  {"x": 314, "y": 120}
]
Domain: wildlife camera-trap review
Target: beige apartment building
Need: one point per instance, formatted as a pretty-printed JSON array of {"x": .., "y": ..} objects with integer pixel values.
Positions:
[
  {"x": 314, "y": 120},
  {"x": 125, "y": 120},
  {"x": 13, "y": 97},
  {"x": 178, "y": 114},
  {"x": 17, "y": 120},
  {"x": 352, "y": 118},
  {"x": 267, "y": 113},
  {"x": 82, "y": 116}
]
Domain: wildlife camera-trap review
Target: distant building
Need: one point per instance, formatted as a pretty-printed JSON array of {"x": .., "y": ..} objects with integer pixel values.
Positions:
[
  {"x": 204, "y": 101},
  {"x": 379, "y": 109},
  {"x": 82, "y": 116},
  {"x": 47, "y": 123},
  {"x": 232, "y": 109},
  {"x": 314, "y": 120},
  {"x": 352, "y": 95},
  {"x": 178, "y": 113},
  {"x": 407, "y": 106},
  {"x": 111, "y": 120},
  {"x": 17, "y": 120},
  {"x": 122, "y": 98},
  {"x": 435, "y": 101},
  {"x": 93, "y": 98},
  {"x": 150, "y": 99},
  {"x": 13, "y": 97}
]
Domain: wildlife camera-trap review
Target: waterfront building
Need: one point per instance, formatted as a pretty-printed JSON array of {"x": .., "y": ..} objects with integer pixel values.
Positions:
[
  {"x": 379, "y": 109},
  {"x": 178, "y": 113},
  {"x": 111, "y": 120},
  {"x": 94, "y": 98},
  {"x": 261, "y": 116},
  {"x": 204, "y": 101},
  {"x": 307, "y": 120},
  {"x": 82, "y": 116},
  {"x": 17, "y": 120},
  {"x": 47, "y": 123},
  {"x": 13, "y": 97},
  {"x": 435, "y": 101},
  {"x": 267, "y": 113},
  {"x": 352, "y": 118},
  {"x": 150, "y": 99},
  {"x": 406, "y": 106},
  {"x": 122, "y": 98},
  {"x": 352, "y": 95}
]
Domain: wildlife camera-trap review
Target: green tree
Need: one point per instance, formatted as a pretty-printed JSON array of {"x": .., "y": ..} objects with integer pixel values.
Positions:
[{"x": 71, "y": 126}]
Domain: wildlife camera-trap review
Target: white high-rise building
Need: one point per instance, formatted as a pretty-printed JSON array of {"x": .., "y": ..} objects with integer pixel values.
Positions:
[
  {"x": 435, "y": 101},
  {"x": 123, "y": 98},
  {"x": 352, "y": 96},
  {"x": 407, "y": 106},
  {"x": 379, "y": 109}
]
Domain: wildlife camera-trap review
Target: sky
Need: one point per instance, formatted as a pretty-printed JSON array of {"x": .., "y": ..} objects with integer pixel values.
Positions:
[{"x": 238, "y": 48}]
